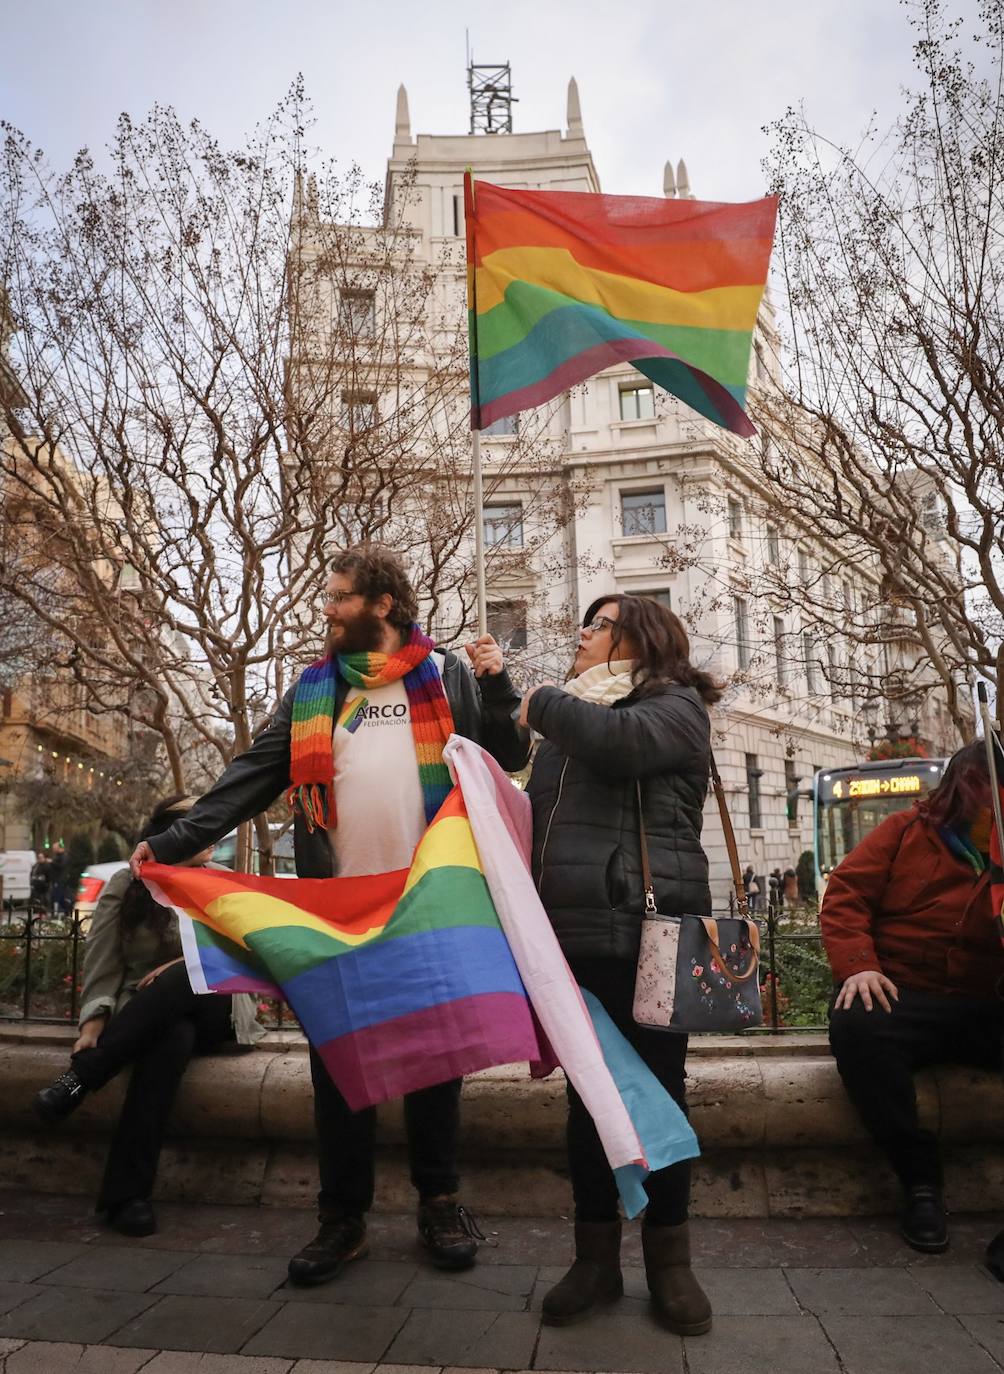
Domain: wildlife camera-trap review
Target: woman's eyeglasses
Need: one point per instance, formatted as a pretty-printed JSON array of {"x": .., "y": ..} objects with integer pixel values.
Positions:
[{"x": 600, "y": 622}]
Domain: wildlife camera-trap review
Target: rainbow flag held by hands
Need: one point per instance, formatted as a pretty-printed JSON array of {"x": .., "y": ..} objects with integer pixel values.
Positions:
[
  {"x": 562, "y": 284},
  {"x": 406, "y": 979},
  {"x": 400, "y": 980}
]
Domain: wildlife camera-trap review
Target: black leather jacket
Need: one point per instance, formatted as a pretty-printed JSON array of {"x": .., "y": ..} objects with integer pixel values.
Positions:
[
  {"x": 586, "y": 848},
  {"x": 482, "y": 711}
]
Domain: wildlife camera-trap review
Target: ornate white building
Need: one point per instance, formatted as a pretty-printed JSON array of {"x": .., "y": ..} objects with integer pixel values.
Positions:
[{"x": 665, "y": 505}]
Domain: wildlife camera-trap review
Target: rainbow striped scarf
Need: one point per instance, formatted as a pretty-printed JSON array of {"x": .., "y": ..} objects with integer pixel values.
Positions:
[{"x": 311, "y": 771}]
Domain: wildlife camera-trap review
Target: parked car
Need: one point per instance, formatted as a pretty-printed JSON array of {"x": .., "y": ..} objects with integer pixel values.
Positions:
[{"x": 94, "y": 877}]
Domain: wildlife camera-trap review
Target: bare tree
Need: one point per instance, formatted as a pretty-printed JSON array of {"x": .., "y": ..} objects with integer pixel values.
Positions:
[
  {"x": 885, "y": 437},
  {"x": 225, "y": 367}
]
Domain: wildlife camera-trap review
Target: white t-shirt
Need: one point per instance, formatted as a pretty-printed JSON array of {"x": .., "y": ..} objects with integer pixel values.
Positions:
[{"x": 378, "y": 797}]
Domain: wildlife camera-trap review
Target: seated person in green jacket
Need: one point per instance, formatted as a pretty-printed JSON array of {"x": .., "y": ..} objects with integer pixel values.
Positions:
[{"x": 138, "y": 1008}]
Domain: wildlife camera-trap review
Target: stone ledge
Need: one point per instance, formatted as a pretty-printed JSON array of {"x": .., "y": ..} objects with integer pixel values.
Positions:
[{"x": 778, "y": 1135}]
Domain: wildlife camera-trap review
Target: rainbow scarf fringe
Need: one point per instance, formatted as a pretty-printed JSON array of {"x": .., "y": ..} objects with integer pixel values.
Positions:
[{"x": 311, "y": 788}]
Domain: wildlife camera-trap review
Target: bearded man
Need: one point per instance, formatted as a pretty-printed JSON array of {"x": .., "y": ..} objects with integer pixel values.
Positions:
[{"x": 380, "y": 705}]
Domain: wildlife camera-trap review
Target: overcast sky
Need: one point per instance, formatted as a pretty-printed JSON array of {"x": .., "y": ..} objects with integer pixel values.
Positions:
[{"x": 657, "y": 79}]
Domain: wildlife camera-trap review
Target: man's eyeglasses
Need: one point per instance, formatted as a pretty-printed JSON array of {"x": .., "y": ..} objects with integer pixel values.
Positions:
[
  {"x": 336, "y": 598},
  {"x": 600, "y": 622}
]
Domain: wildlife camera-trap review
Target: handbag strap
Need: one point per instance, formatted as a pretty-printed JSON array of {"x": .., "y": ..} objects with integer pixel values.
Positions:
[{"x": 730, "y": 844}]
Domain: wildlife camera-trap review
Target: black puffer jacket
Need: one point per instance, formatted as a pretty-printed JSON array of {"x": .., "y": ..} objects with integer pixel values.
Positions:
[{"x": 586, "y": 852}]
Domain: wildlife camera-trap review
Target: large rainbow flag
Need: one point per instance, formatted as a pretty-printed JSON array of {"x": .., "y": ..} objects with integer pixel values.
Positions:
[
  {"x": 400, "y": 980},
  {"x": 406, "y": 979},
  {"x": 562, "y": 284}
]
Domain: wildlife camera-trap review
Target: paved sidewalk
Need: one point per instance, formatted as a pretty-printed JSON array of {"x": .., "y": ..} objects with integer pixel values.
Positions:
[{"x": 206, "y": 1295}]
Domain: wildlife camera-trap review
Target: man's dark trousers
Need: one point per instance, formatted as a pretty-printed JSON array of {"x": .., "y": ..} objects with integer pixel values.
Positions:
[
  {"x": 877, "y": 1053},
  {"x": 346, "y": 1142}
]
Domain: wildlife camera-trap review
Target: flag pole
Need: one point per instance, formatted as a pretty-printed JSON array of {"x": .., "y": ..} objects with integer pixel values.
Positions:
[
  {"x": 995, "y": 794},
  {"x": 478, "y": 483}
]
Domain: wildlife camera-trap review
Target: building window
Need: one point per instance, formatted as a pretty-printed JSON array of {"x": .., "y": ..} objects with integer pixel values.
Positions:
[
  {"x": 803, "y": 566},
  {"x": 505, "y": 427},
  {"x": 637, "y": 402},
  {"x": 780, "y": 667},
  {"x": 735, "y": 519},
  {"x": 773, "y": 546},
  {"x": 503, "y": 526},
  {"x": 762, "y": 372},
  {"x": 791, "y": 781},
  {"x": 742, "y": 632},
  {"x": 507, "y": 623},
  {"x": 358, "y": 410},
  {"x": 357, "y": 313},
  {"x": 663, "y": 596},
  {"x": 753, "y": 776},
  {"x": 458, "y": 217},
  {"x": 809, "y": 655},
  {"x": 643, "y": 512}
]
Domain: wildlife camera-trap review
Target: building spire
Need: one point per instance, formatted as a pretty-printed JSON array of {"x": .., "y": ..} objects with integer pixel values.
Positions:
[
  {"x": 668, "y": 182},
  {"x": 574, "y": 110},
  {"x": 402, "y": 118},
  {"x": 683, "y": 181}
]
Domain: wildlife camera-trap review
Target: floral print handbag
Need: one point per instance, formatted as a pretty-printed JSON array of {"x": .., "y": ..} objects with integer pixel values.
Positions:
[{"x": 697, "y": 973}]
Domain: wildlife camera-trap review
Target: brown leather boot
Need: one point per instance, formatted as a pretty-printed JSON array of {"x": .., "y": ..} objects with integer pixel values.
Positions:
[
  {"x": 679, "y": 1300},
  {"x": 593, "y": 1280}
]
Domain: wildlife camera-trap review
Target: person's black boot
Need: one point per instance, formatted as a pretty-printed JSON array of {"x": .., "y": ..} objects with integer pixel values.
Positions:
[
  {"x": 994, "y": 1258},
  {"x": 595, "y": 1278},
  {"x": 678, "y": 1300},
  {"x": 448, "y": 1232},
  {"x": 59, "y": 1099},
  {"x": 922, "y": 1223},
  {"x": 132, "y": 1218},
  {"x": 339, "y": 1241}
]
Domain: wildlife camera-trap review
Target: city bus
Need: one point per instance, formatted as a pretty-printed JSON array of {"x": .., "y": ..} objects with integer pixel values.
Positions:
[{"x": 848, "y": 803}]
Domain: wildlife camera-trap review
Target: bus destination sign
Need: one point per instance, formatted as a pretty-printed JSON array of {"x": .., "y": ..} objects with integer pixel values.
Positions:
[{"x": 900, "y": 785}]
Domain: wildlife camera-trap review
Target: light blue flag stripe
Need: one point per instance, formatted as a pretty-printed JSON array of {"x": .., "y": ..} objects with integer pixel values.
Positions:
[{"x": 665, "y": 1133}]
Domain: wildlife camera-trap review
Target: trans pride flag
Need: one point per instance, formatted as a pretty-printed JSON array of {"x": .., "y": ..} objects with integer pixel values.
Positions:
[
  {"x": 406, "y": 979},
  {"x": 562, "y": 284}
]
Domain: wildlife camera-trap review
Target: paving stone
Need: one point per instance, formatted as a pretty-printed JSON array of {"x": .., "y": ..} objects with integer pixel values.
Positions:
[
  {"x": 882, "y": 1244},
  {"x": 194, "y": 1362},
  {"x": 332, "y": 1367},
  {"x": 627, "y": 1343},
  {"x": 491, "y": 1287},
  {"x": 213, "y": 1325},
  {"x": 377, "y": 1283},
  {"x": 22, "y": 1261},
  {"x": 491, "y": 1340},
  {"x": 763, "y": 1345},
  {"x": 869, "y": 1292},
  {"x": 809, "y": 1242},
  {"x": 989, "y": 1331},
  {"x": 47, "y": 1357},
  {"x": 226, "y": 1276},
  {"x": 328, "y": 1331},
  {"x": 960, "y": 1287},
  {"x": 889, "y": 1345},
  {"x": 7, "y": 1347},
  {"x": 13, "y": 1294},
  {"x": 121, "y": 1268},
  {"x": 85, "y": 1315},
  {"x": 746, "y": 1292}
]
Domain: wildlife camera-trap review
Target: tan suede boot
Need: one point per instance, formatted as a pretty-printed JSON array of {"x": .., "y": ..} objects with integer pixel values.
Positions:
[
  {"x": 594, "y": 1279},
  {"x": 678, "y": 1299}
]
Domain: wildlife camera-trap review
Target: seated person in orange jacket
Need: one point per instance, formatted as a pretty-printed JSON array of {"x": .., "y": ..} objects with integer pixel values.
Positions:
[{"x": 910, "y": 936}]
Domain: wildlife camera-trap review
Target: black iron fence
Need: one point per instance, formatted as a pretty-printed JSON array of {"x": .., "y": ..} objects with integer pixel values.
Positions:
[
  {"x": 42, "y": 956},
  {"x": 41, "y": 968}
]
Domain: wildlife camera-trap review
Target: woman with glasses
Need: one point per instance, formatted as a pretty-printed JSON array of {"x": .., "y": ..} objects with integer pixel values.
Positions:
[{"x": 633, "y": 711}]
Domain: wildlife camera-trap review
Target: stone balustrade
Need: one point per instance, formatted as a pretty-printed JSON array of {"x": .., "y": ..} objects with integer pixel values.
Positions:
[{"x": 778, "y": 1136}]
